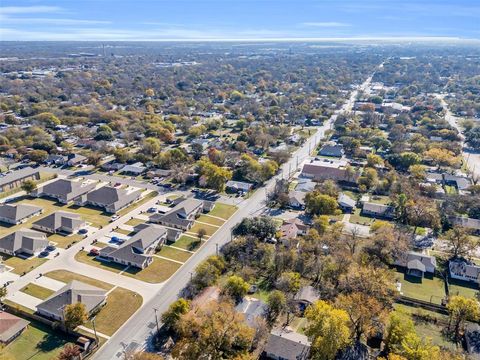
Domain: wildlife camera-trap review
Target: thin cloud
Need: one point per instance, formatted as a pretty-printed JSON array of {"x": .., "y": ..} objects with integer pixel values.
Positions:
[
  {"x": 53, "y": 21},
  {"x": 10, "y": 10},
  {"x": 326, "y": 24}
]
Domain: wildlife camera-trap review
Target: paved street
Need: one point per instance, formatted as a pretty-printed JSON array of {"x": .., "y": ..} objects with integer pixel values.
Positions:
[{"x": 138, "y": 330}]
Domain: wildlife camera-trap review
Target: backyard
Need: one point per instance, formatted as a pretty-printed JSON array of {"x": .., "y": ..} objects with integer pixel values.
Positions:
[
  {"x": 187, "y": 242},
  {"x": 425, "y": 289}
]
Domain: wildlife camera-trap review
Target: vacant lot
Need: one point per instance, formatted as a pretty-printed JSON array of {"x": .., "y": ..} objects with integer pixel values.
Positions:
[
  {"x": 174, "y": 254},
  {"x": 37, "y": 342},
  {"x": 21, "y": 266},
  {"x": 67, "y": 276},
  {"x": 223, "y": 211},
  {"x": 426, "y": 289},
  {"x": 121, "y": 304},
  {"x": 37, "y": 291}
]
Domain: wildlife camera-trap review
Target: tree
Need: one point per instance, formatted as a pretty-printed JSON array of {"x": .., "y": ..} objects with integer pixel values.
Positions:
[
  {"x": 28, "y": 186},
  {"x": 262, "y": 227},
  {"x": 208, "y": 272},
  {"x": 38, "y": 156},
  {"x": 321, "y": 223},
  {"x": 201, "y": 233},
  {"x": 472, "y": 137},
  {"x": 374, "y": 160},
  {"x": 277, "y": 303},
  {"x": 69, "y": 352},
  {"x": 94, "y": 159},
  {"x": 418, "y": 172},
  {"x": 174, "y": 312},
  {"x": 151, "y": 146},
  {"x": 442, "y": 157},
  {"x": 48, "y": 119},
  {"x": 317, "y": 203},
  {"x": 3, "y": 292},
  {"x": 459, "y": 242},
  {"x": 289, "y": 282},
  {"x": 328, "y": 329},
  {"x": 213, "y": 331},
  {"x": 415, "y": 348},
  {"x": 422, "y": 212},
  {"x": 213, "y": 175},
  {"x": 399, "y": 326},
  {"x": 75, "y": 315},
  {"x": 460, "y": 310},
  {"x": 235, "y": 287}
]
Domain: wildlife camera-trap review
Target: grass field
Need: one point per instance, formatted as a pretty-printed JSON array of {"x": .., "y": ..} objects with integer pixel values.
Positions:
[
  {"x": 462, "y": 288},
  {"x": 84, "y": 257},
  {"x": 211, "y": 220},
  {"x": 142, "y": 201},
  {"x": 37, "y": 342},
  {"x": 158, "y": 271},
  {"x": 121, "y": 304},
  {"x": 125, "y": 232},
  {"x": 134, "y": 222},
  {"x": 426, "y": 289},
  {"x": 67, "y": 276},
  {"x": 187, "y": 242},
  {"x": 64, "y": 241},
  {"x": 37, "y": 291},
  {"x": 210, "y": 230},
  {"x": 174, "y": 254},
  {"x": 21, "y": 266},
  {"x": 223, "y": 211}
]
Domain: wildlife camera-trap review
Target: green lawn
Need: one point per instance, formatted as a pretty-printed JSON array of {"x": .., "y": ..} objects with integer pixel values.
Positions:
[
  {"x": 223, "y": 211},
  {"x": 158, "y": 271},
  {"x": 135, "y": 222},
  {"x": 21, "y": 266},
  {"x": 63, "y": 241},
  {"x": 210, "y": 230},
  {"x": 174, "y": 254},
  {"x": 356, "y": 218},
  {"x": 121, "y": 304},
  {"x": 384, "y": 200},
  {"x": 37, "y": 291},
  {"x": 430, "y": 290},
  {"x": 67, "y": 276},
  {"x": 462, "y": 288},
  {"x": 37, "y": 342},
  {"x": 187, "y": 242},
  {"x": 211, "y": 220},
  {"x": 90, "y": 214}
]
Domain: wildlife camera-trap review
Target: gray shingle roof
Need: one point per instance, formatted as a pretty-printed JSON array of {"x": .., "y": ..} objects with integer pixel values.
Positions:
[
  {"x": 60, "y": 219},
  {"x": 18, "y": 212},
  {"x": 288, "y": 345},
  {"x": 72, "y": 293},
  {"x": 24, "y": 239},
  {"x": 18, "y": 175},
  {"x": 179, "y": 214},
  {"x": 65, "y": 189},
  {"x": 112, "y": 197}
]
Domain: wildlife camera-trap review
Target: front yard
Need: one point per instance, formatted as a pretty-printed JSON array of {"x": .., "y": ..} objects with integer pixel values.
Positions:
[
  {"x": 67, "y": 276},
  {"x": 63, "y": 241},
  {"x": 174, "y": 254},
  {"x": 209, "y": 229},
  {"x": 37, "y": 291},
  {"x": 21, "y": 266},
  {"x": 187, "y": 242},
  {"x": 223, "y": 211}
]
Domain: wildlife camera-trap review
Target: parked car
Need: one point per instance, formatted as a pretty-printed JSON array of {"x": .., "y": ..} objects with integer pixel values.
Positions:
[
  {"x": 83, "y": 231},
  {"x": 114, "y": 217},
  {"x": 51, "y": 248},
  {"x": 94, "y": 252},
  {"x": 152, "y": 210},
  {"x": 44, "y": 254}
]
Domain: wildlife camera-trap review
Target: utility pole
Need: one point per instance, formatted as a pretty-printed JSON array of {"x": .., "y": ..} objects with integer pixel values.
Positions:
[
  {"x": 156, "y": 319},
  {"x": 95, "y": 330},
  {"x": 216, "y": 248}
]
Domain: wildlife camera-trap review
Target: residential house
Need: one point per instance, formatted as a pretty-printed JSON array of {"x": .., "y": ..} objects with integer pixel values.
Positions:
[
  {"x": 76, "y": 159},
  {"x": 134, "y": 169},
  {"x": 461, "y": 183},
  {"x": 11, "y": 327},
  {"x": 63, "y": 190},
  {"x": 296, "y": 199},
  {"x": 60, "y": 222},
  {"x": 112, "y": 166},
  {"x": 416, "y": 264},
  {"x": 305, "y": 185},
  {"x": 55, "y": 159},
  {"x": 159, "y": 173},
  {"x": 19, "y": 213},
  {"x": 283, "y": 344},
  {"x": 253, "y": 310},
  {"x": 379, "y": 211},
  {"x": 110, "y": 199},
  {"x": 17, "y": 178},
  {"x": 469, "y": 223},
  {"x": 23, "y": 241},
  {"x": 74, "y": 292},
  {"x": 332, "y": 150},
  {"x": 182, "y": 216},
  {"x": 137, "y": 251},
  {"x": 463, "y": 270},
  {"x": 335, "y": 170},
  {"x": 472, "y": 341},
  {"x": 305, "y": 297},
  {"x": 238, "y": 186},
  {"x": 346, "y": 203}
]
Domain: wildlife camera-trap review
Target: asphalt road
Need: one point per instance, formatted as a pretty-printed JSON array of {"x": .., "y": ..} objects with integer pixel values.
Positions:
[{"x": 137, "y": 332}]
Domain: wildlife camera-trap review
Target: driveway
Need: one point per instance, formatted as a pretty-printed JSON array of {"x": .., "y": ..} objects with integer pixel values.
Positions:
[
  {"x": 23, "y": 299},
  {"x": 49, "y": 283}
]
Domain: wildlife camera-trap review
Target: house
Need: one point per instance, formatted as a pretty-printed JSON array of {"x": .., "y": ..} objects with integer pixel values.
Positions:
[
  {"x": 346, "y": 203},
  {"x": 109, "y": 198},
  {"x": 472, "y": 341},
  {"x": 138, "y": 249},
  {"x": 63, "y": 190},
  {"x": 17, "y": 178},
  {"x": 253, "y": 310},
  {"x": 469, "y": 223},
  {"x": 60, "y": 222},
  {"x": 134, "y": 169},
  {"x": 463, "y": 270},
  {"x": 23, "y": 241},
  {"x": 379, "y": 211},
  {"x": 318, "y": 170},
  {"x": 296, "y": 199},
  {"x": 416, "y": 264},
  {"x": 305, "y": 297},
  {"x": 283, "y": 344},
  {"x": 238, "y": 186},
  {"x": 182, "y": 216},
  {"x": 55, "y": 159},
  {"x": 159, "y": 173},
  {"x": 460, "y": 182},
  {"x": 16, "y": 214},
  {"x": 74, "y": 292},
  {"x": 332, "y": 150},
  {"x": 75, "y": 159},
  {"x": 300, "y": 225},
  {"x": 112, "y": 166},
  {"x": 305, "y": 185},
  {"x": 11, "y": 327}
]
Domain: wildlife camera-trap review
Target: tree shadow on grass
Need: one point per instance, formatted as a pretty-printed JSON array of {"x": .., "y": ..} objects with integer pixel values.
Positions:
[{"x": 51, "y": 341}]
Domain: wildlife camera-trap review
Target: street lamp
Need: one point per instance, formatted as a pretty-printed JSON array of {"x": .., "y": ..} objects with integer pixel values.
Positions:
[
  {"x": 156, "y": 319},
  {"x": 94, "y": 329}
]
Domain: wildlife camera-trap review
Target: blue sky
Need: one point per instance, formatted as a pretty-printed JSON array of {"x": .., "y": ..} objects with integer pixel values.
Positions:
[{"x": 108, "y": 20}]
